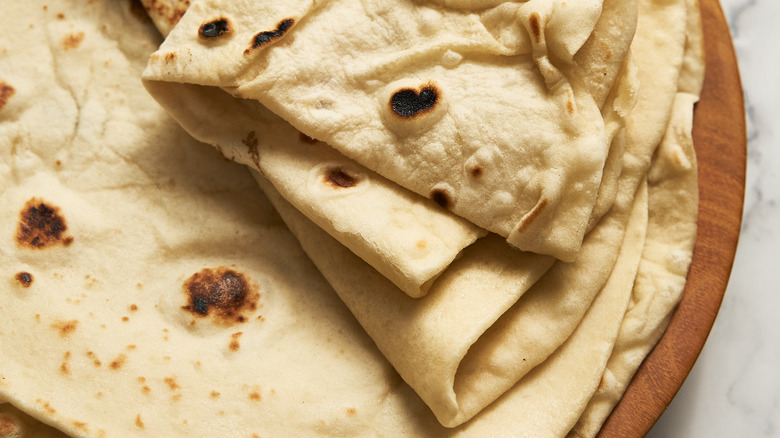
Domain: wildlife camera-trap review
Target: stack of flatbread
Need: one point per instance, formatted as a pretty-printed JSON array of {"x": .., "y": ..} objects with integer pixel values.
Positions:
[{"x": 443, "y": 218}]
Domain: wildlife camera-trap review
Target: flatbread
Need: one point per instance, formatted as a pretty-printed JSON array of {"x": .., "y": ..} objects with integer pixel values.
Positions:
[
  {"x": 489, "y": 319},
  {"x": 664, "y": 266},
  {"x": 532, "y": 177},
  {"x": 102, "y": 330},
  {"x": 671, "y": 236},
  {"x": 122, "y": 348},
  {"x": 548, "y": 400},
  {"x": 446, "y": 355},
  {"x": 405, "y": 237}
]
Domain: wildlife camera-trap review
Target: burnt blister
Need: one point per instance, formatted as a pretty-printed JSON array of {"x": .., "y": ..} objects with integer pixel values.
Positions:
[
  {"x": 441, "y": 197},
  {"x": 338, "y": 178},
  {"x": 215, "y": 28},
  {"x": 222, "y": 293},
  {"x": 41, "y": 225},
  {"x": 444, "y": 195},
  {"x": 408, "y": 102},
  {"x": 269, "y": 35},
  {"x": 24, "y": 278}
]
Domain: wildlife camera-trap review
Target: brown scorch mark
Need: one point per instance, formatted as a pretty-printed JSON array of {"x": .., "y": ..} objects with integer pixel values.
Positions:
[
  {"x": 441, "y": 197},
  {"x": 41, "y": 225},
  {"x": 6, "y": 91},
  {"x": 408, "y": 102},
  {"x": 264, "y": 37},
  {"x": 64, "y": 367},
  {"x": 339, "y": 179},
  {"x": 476, "y": 171},
  {"x": 72, "y": 41},
  {"x": 118, "y": 362},
  {"x": 95, "y": 360},
  {"x": 234, "y": 345},
  {"x": 529, "y": 217},
  {"x": 65, "y": 328},
  {"x": 536, "y": 27},
  {"x": 24, "y": 278},
  {"x": 215, "y": 28},
  {"x": 46, "y": 406},
  {"x": 221, "y": 293},
  {"x": 171, "y": 382},
  {"x": 80, "y": 425}
]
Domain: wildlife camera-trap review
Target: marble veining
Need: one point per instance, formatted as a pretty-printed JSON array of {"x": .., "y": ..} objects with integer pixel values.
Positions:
[{"x": 734, "y": 388}]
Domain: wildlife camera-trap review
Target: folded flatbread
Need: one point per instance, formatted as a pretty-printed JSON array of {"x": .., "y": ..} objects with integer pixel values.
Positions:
[
  {"x": 468, "y": 107},
  {"x": 439, "y": 344},
  {"x": 406, "y": 238},
  {"x": 669, "y": 245},
  {"x": 410, "y": 240},
  {"x": 445, "y": 344}
]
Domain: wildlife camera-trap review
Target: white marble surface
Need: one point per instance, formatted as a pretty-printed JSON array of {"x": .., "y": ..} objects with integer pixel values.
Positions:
[{"x": 734, "y": 388}]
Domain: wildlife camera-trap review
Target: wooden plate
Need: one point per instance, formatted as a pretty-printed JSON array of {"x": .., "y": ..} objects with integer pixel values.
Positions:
[{"x": 721, "y": 146}]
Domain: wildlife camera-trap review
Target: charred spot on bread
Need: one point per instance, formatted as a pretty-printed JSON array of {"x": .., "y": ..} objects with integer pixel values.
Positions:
[
  {"x": 269, "y": 35},
  {"x": 441, "y": 197},
  {"x": 338, "y": 178},
  {"x": 215, "y": 28},
  {"x": 222, "y": 293},
  {"x": 41, "y": 225},
  {"x": 24, "y": 278},
  {"x": 408, "y": 102}
]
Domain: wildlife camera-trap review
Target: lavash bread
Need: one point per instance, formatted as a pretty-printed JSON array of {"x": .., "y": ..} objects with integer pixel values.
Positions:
[
  {"x": 671, "y": 236},
  {"x": 104, "y": 328},
  {"x": 445, "y": 359},
  {"x": 402, "y": 409},
  {"x": 457, "y": 376},
  {"x": 562, "y": 385},
  {"x": 507, "y": 177},
  {"x": 408, "y": 239}
]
